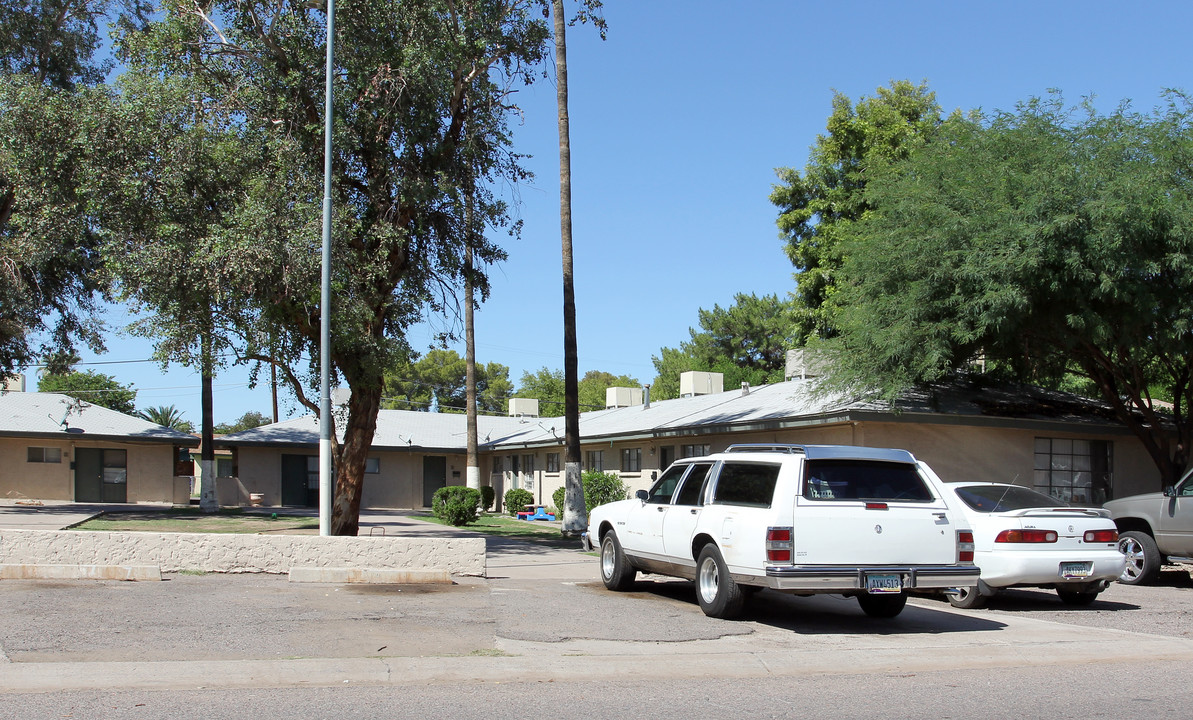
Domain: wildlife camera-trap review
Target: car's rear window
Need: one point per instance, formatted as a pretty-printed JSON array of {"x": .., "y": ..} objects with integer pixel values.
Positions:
[
  {"x": 750, "y": 484},
  {"x": 864, "y": 480},
  {"x": 995, "y": 498}
]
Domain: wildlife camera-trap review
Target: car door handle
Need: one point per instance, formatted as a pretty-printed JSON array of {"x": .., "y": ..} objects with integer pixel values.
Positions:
[
  {"x": 661, "y": 508},
  {"x": 695, "y": 511}
]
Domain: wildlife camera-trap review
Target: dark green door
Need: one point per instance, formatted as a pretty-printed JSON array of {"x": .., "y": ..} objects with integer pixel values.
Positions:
[
  {"x": 101, "y": 475},
  {"x": 89, "y": 475},
  {"x": 434, "y": 477},
  {"x": 299, "y": 472}
]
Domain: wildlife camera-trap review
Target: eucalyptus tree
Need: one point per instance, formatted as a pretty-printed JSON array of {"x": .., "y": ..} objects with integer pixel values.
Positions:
[
  {"x": 409, "y": 78},
  {"x": 50, "y": 120},
  {"x": 1047, "y": 240}
]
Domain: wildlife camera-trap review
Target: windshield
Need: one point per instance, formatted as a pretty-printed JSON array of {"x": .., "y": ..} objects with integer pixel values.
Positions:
[{"x": 1001, "y": 498}]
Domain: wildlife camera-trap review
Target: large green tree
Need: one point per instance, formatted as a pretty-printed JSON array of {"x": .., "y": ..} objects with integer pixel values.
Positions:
[
  {"x": 410, "y": 78},
  {"x": 547, "y": 386},
  {"x": 818, "y": 206},
  {"x": 1048, "y": 240},
  {"x": 746, "y": 342},
  {"x": 93, "y": 387},
  {"x": 442, "y": 375},
  {"x": 48, "y": 128}
]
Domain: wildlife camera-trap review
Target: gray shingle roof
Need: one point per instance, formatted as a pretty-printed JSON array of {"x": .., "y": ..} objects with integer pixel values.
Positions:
[
  {"x": 54, "y": 415},
  {"x": 787, "y": 404}
]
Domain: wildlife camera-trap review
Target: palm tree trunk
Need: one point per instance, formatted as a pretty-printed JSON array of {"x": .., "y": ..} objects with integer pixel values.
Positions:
[
  {"x": 208, "y": 501},
  {"x": 575, "y": 516}
]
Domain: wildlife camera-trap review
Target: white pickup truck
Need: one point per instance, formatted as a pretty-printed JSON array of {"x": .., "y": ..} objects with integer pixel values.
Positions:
[
  {"x": 1154, "y": 529},
  {"x": 804, "y": 519}
]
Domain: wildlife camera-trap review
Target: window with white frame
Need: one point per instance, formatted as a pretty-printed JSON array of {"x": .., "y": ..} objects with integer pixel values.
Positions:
[
  {"x": 45, "y": 455},
  {"x": 1076, "y": 471},
  {"x": 595, "y": 460},
  {"x": 631, "y": 460},
  {"x": 696, "y": 450}
]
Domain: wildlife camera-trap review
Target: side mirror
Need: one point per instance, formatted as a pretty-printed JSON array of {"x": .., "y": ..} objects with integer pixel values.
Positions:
[
  {"x": 641, "y": 495},
  {"x": 1169, "y": 491}
]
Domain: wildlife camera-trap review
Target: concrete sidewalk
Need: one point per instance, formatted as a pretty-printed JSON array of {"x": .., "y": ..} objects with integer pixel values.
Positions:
[{"x": 541, "y": 614}]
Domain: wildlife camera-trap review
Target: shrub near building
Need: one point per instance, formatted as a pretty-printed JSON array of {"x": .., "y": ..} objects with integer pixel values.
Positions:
[
  {"x": 516, "y": 499},
  {"x": 599, "y": 488},
  {"x": 456, "y": 505}
]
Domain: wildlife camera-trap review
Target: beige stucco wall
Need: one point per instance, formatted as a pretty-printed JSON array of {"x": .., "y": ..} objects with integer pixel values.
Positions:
[
  {"x": 955, "y": 452},
  {"x": 399, "y": 484},
  {"x": 150, "y": 470}
]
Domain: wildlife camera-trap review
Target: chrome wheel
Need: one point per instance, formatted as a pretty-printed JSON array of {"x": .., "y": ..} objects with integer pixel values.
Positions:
[
  {"x": 608, "y": 560},
  {"x": 708, "y": 582},
  {"x": 1143, "y": 558},
  {"x": 967, "y": 598},
  {"x": 616, "y": 571},
  {"x": 718, "y": 593}
]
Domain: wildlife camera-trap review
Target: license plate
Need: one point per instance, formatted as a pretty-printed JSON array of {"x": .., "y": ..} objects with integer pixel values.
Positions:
[
  {"x": 1074, "y": 569},
  {"x": 878, "y": 584}
]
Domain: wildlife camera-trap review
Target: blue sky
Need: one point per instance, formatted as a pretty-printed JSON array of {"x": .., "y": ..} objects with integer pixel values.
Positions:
[{"x": 679, "y": 120}]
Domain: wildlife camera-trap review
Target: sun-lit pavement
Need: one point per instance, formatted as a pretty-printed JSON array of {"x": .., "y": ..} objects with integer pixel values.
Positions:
[{"x": 540, "y": 614}]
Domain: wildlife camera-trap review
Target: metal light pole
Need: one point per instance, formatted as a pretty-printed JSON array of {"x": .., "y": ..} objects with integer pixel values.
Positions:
[{"x": 326, "y": 486}]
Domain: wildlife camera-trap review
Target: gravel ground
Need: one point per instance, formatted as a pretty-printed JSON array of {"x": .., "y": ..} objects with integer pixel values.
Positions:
[{"x": 1165, "y": 608}]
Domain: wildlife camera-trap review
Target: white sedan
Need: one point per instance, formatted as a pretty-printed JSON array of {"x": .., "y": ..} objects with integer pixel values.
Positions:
[{"x": 1023, "y": 538}]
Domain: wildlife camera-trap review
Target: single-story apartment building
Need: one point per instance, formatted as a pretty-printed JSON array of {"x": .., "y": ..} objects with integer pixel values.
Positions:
[
  {"x": 55, "y": 447},
  {"x": 970, "y": 429}
]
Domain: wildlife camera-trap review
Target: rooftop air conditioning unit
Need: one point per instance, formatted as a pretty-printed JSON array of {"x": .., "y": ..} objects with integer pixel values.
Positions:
[
  {"x": 700, "y": 383},
  {"x": 524, "y": 407},
  {"x": 619, "y": 397}
]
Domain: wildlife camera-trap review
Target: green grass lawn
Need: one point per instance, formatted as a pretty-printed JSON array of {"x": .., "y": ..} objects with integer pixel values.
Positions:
[
  {"x": 196, "y": 521},
  {"x": 506, "y": 526}
]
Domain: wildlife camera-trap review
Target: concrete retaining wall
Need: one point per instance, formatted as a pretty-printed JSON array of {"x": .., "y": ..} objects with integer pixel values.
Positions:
[{"x": 174, "y": 552}]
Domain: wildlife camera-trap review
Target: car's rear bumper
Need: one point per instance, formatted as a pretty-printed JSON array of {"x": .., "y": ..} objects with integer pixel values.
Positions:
[
  {"x": 1035, "y": 567},
  {"x": 814, "y": 578}
]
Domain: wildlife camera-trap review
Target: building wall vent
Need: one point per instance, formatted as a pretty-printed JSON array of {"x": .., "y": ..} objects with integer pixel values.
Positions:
[
  {"x": 700, "y": 383},
  {"x": 524, "y": 407},
  {"x": 619, "y": 397}
]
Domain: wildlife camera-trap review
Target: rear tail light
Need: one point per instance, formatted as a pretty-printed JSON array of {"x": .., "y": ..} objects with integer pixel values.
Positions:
[
  {"x": 964, "y": 546},
  {"x": 778, "y": 544},
  {"x": 876, "y": 506},
  {"x": 1026, "y": 536},
  {"x": 1101, "y": 536}
]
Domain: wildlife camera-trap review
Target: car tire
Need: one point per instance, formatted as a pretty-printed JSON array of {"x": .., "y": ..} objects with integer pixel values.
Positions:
[
  {"x": 616, "y": 571},
  {"x": 1076, "y": 597},
  {"x": 1143, "y": 558},
  {"x": 967, "y": 598},
  {"x": 719, "y": 595},
  {"x": 882, "y": 606}
]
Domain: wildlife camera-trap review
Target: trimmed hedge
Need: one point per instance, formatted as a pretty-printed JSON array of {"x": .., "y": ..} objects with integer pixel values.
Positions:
[
  {"x": 456, "y": 505},
  {"x": 516, "y": 499}
]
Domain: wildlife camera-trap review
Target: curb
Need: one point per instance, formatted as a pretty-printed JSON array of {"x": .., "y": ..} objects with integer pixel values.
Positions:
[
  {"x": 376, "y": 576},
  {"x": 13, "y": 571}
]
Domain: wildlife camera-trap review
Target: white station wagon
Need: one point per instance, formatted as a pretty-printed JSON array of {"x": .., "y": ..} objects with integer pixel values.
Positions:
[{"x": 804, "y": 519}]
